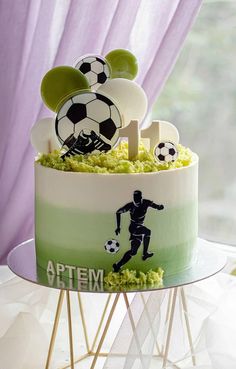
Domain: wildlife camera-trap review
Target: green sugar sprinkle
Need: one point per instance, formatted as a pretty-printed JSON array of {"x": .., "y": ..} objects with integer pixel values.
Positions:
[
  {"x": 132, "y": 277},
  {"x": 114, "y": 161}
]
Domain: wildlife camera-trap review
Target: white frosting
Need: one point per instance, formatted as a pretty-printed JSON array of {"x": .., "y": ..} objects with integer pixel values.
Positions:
[{"x": 105, "y": 192}]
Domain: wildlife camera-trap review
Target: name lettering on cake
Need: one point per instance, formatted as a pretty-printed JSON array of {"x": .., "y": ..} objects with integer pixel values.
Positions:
[
  {"x": 82, "y": 274},
  {"x": 71, "y": 270},
  {"x": 96, "y": 275},
  {"x": 60, "y": 268},
  {"x": 74, "y": 284},
  {"x": 50, "y": 268}
]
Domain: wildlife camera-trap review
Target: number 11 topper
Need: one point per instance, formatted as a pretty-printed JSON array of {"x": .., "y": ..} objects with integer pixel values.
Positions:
[{"x": 158, "y": 132}]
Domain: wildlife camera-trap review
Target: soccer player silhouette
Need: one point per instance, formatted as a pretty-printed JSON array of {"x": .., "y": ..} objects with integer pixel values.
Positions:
[{"x": 138, "y": 232}]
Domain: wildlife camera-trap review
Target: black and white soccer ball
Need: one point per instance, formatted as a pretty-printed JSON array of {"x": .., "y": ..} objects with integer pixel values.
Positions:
[
  {"x": 95, "y": 69},
  {"x": 88, "y": 122},
  {"x": 112, "y": 246},
  {"x": 166, "y": 152}
]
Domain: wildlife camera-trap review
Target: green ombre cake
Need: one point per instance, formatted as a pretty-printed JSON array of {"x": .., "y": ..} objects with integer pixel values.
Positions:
[
  {"x": 107, "y": 210},
  {"x": 79, "y": 213}
]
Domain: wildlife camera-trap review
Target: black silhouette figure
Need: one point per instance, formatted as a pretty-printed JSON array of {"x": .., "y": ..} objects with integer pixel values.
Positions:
[
  {"x": 138, "y": 232},
  {"x": 85, "y": 143}
]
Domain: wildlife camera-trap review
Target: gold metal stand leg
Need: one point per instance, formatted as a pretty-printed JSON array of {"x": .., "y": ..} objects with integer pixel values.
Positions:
[
  {"x": 83, "y": 322},
  {"x": 133, "y": 327},
  {"x": 167, "y": 318},
  {"x": 169, "y": 306},
  {"x": 101, "y": 322},
  {"x": 190, "y": 340},
  {"x": 105, "y": 330},
  {"x": 150, "y": 325},
  {"x": 70, "y": 329},
  {"x": 172, "y": 311},
  {"x": 55, "y": 327}
]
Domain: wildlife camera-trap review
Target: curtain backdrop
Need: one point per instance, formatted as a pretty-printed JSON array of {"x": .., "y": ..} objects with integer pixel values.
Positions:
[{"x": 36, "y": 35}]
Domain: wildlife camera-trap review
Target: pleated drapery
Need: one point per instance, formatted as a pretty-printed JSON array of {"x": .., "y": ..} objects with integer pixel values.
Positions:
[{"x": 36, "y": 35}]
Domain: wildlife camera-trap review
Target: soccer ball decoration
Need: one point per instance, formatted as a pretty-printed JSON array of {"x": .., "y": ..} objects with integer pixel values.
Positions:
[
  {"x": 166, "y": 152},
  {"x": 88, "y": 123},
  {"x": 96, "y": 70},
  {"x": 88, "y": 119},
  {"x": 112, "y": 246}
]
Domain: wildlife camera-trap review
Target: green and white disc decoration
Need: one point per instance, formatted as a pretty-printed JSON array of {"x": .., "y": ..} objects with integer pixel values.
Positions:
[
  {"x": 123, "y": 64},
  {"x": 97, "y": 102},
  {"x": 129, "y": 96},
  {"x": 59, "y": 83},
  {"x": 88, "y": 123},
  {"x": 95, "y": 68},
  {"x": 43, "y": 136}
]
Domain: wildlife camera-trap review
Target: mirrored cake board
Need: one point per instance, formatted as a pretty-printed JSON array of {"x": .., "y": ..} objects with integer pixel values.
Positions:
[{"x": 22, "y": 262}]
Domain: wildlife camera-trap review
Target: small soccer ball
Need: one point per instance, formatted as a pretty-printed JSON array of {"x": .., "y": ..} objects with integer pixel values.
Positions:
[
  {"x": 166, "y": 152},
  {"x": 88, "y": 123},
  {"x": 112, "y": 246},
  {"x": 95, "y": 69}
]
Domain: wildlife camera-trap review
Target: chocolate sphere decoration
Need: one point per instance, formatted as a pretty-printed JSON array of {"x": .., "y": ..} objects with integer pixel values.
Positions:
[
  {"x": 123, "y": 64},
  {"x": 129, "y": 96},
  {"x": 43, "y": 137},
  {"x": 168, "y": 132},
  {"x": 59, "y": 83},
  {"x": 166, "y": 152},
  {"x": 88, "y": 122},
  {"x": 95, "y": 68}
]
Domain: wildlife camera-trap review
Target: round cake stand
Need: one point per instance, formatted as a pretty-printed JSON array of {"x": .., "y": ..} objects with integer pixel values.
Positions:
[{"x": 22, "y": 262}]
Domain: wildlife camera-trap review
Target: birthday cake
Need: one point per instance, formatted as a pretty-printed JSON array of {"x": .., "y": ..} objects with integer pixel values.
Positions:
[{"x": 107, "y": 207}]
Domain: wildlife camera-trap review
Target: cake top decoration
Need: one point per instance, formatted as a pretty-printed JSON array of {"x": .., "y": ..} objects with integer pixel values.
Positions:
[
  {"x": 129, "y": 96},
  {"x": 95, "y": 68},
  {"x": 88, "y": 122},
  {"x": 59, "y": 83},
  {"x": 123, "y": 64},
  {"x": 97, "y": 102}
]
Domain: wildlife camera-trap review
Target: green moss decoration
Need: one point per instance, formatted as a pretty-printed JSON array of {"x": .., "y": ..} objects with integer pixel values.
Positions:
[
  {"x": 132, "y": 277},
  {"x": 114, "y": 161}
]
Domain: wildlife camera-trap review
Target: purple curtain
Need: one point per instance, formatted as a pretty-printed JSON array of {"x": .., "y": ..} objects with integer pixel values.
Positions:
[{"x": 36, "y": 35}]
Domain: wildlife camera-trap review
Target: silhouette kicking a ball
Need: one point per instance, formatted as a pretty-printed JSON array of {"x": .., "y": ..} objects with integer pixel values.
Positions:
[{"x": 138, "y": 232}]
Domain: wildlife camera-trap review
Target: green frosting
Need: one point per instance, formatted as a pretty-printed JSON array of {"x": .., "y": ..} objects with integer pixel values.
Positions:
[
  {"x": 132, "y": 277},
  {"x": 114, "y": 161}
]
